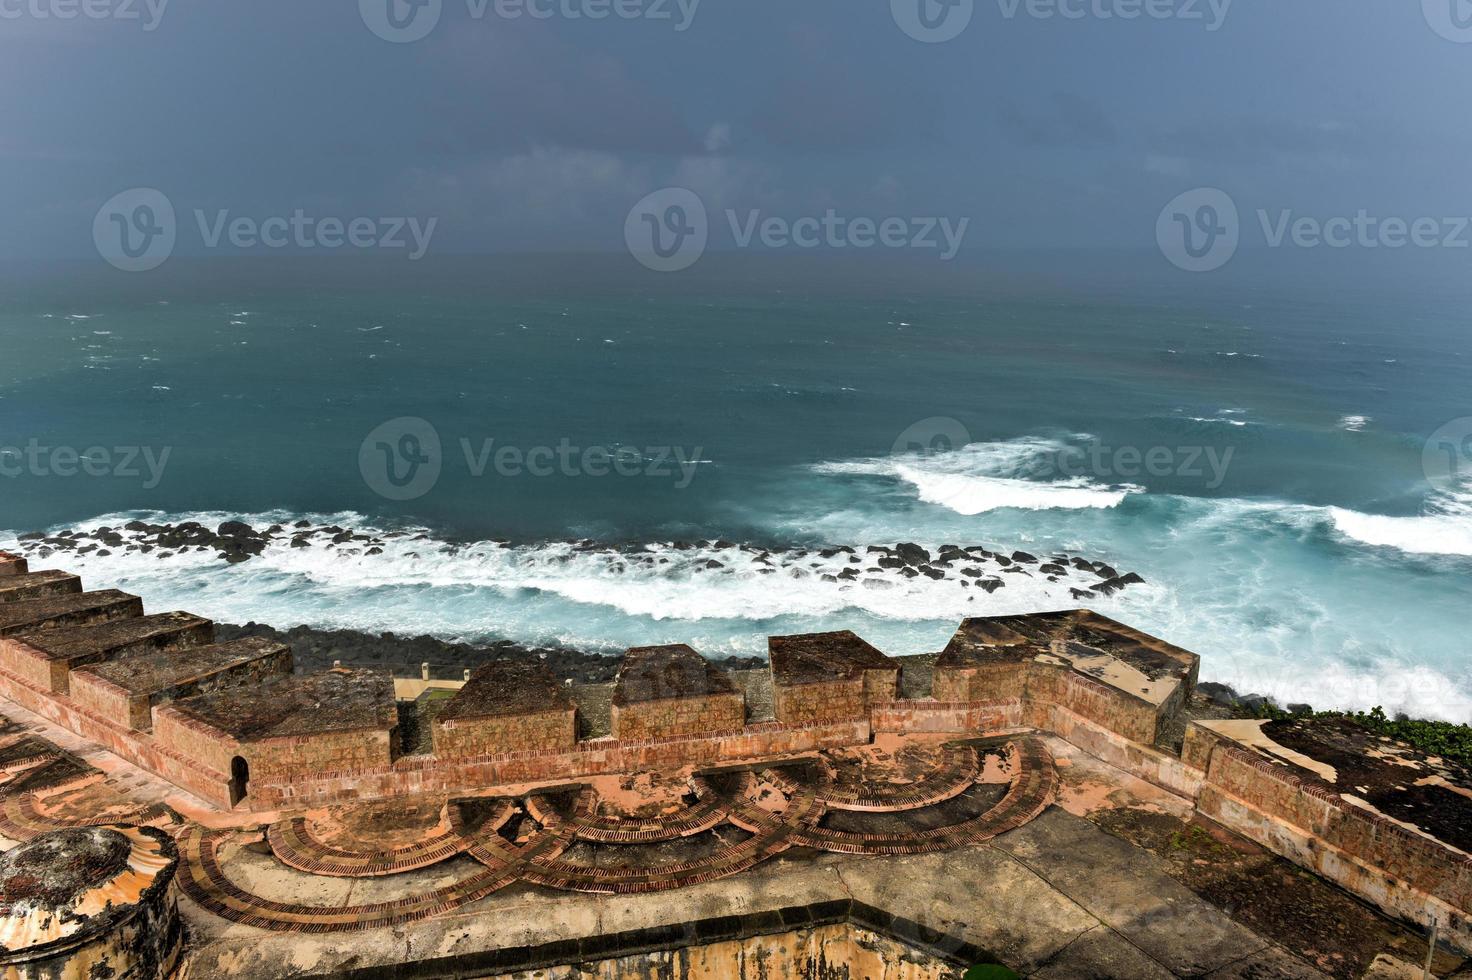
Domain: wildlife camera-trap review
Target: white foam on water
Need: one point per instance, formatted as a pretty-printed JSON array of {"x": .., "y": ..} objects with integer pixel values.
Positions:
[
  {"x": 1444, "y": 529},
  {"x": 1020, "y": 474},
  {"x": 482, "y": 590}
]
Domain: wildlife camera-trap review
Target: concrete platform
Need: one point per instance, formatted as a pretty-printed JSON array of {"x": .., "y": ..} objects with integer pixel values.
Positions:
[
  {"x": 47, "y": 658},
  {"x": 127, "y": 689},
  {"x": 72, "y": 610},
  {"x": 38, "y": 585}
]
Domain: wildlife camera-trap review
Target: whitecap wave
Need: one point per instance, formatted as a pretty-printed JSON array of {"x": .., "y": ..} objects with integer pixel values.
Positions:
[
  {"x": 1019, "y": 474},
  {"x": 1444, "y": 529}
]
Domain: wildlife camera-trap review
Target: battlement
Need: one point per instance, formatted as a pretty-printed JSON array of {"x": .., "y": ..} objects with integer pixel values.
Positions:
[{"x": 231, "y": 724}]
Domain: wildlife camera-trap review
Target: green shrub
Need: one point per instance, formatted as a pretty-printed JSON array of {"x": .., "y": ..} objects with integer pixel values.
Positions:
[
  {"x": 1439, "y": 738},
  {"x": 990, "y": 971}
]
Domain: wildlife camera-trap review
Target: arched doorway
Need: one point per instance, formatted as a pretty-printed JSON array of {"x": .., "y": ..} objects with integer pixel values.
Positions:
[{"x": 239, "y": 779}]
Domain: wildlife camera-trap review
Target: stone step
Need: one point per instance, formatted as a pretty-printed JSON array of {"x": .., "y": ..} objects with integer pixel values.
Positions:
[
  {"x": 11, "y": 564},
  {"x": 47, "y": 658},
  {"x": 38, "y": 585},
  {"x": 54, "y": 612},
  {"x": 126, "y": 689}
]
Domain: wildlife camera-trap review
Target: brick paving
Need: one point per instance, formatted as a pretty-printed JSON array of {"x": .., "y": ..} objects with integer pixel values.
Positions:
[{"x": 771, "y": 804}]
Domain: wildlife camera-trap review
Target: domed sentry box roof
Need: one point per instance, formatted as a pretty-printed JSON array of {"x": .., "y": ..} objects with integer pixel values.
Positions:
[{"x": 90, "y": 902}]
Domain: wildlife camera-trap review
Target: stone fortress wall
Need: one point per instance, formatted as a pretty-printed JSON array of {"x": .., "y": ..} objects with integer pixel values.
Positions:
[{"x": 234, "y": 727}]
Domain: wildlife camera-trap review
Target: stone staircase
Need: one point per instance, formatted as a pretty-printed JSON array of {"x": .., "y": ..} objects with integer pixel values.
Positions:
[{"x": 53, "y": 632}]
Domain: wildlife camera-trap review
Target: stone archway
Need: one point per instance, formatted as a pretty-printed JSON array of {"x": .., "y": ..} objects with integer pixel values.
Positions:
[{"x": 239, "y": 779}]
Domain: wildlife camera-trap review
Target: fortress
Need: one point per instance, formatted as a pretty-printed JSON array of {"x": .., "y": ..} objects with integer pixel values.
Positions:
[{"x": 265, "y": 792}]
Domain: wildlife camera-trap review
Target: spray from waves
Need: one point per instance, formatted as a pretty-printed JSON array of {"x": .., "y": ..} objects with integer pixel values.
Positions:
[
  {"x": 357, "y": 575},
  {"x": 1022, "y": 474}
]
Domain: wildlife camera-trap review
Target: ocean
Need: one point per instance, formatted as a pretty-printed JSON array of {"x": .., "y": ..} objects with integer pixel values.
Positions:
[{"x": 1281, "y": 459}]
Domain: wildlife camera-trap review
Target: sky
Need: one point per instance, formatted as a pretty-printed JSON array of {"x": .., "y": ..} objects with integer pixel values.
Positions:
[{"x": 522, "y": 133}]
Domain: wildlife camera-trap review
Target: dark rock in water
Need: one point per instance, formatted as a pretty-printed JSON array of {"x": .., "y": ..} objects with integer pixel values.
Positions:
[
  {"x": 236, "y": 529},
  {"x": 849, "y": 574},
  {"x": 1220, "y": 693},
  {"x": 1083, "y": 565},
  {"x": 888, "y": 562},
  {"x": 912, "y": 554},
  {"x": 934, "y": 573},
  {"x": 1024, "y": 558},
  {"x": 300, "y": 543},
  {"x": 1053, "y": 569},
  {"x": 1084, "y": 594},
  {"x": 1105, "y": 571},
  {"x": 302, "y": 524},
  {"x": 1254, "y": 702},
  {"x": 1014, "y": 570},
  {"x": 991, "y": 584},
  {"x": 375, "y": 551},
  {"x": 712, "y": 563},
  {"x": 971, "y": 572},
  {"x": 909, "y": 572},
  {"x": 33, "y": 536},
  {"x": 874, "y": 549},
  {"x": 829, "y": 578},
  {"x": 1118, "y": 584},
  {"x": 135, "y": 526},
  {"x": 1003, "y": 560}
]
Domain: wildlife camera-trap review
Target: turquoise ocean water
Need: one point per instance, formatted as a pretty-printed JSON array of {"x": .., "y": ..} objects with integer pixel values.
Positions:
[{"x": 1289, "y": 528}]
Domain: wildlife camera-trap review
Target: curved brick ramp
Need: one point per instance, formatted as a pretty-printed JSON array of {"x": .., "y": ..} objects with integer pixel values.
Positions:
[
  {"x": 959, "y": 767},
  {"x": 21, "y": 817},
  {"x": 295, "y": 846},
  {"x": 540, "y": 862},
  {"x": 586, "y": 824},
  {"x": 202, "y": 879},
  {"x": 1034, "y": 783}
]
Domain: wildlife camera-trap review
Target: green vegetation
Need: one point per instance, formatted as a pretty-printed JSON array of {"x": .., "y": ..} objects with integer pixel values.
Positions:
[
  {"x": 1439, "y": 738},
  {"x": 1195, "y": 839},
  {"x": 990, "y": 971}
]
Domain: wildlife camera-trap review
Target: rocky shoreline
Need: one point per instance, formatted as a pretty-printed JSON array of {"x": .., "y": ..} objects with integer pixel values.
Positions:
[
  {"x": 873, "y": 567},
  {"x": 318, "y": 649}
]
